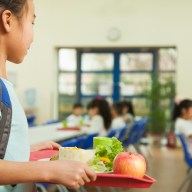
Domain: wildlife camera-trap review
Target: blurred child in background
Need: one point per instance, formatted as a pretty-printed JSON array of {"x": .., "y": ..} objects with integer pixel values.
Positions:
[
  {"x": 100, "y": 115},
  {"x": 128, "y": 111},
  {"x": 117, "y": 115},
  {"x": 76, "y": 118},
  {"x": 183, "y": 118},
  {"x": 183, "y": 121}
]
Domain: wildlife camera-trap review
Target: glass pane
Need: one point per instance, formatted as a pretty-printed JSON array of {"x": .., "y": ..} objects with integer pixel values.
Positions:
[
  {"x": 67, "y": 60},
  {"x": 97, "y": 84},
  {"x": 65, "y": 106},
  {"x": 167, "y": 103},
  {"x": 67, "y": 83},
  {"x": 140, "y": 106},
  {"x": 136, "y": 61},
  {"x": 97, "y": 61},
  {"x": 168, "y": 89},
  {"x": 135, "y": 84},
  {"x": 166, "y": 77},
  {"x": 167, "y": 59},
  {"x": 85, "y": 101}
]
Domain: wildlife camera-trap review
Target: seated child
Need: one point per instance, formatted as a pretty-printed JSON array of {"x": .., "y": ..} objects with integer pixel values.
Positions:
[
  {"x": 128, "y": 112},
  {"x": 100, "y": 116},
  {"x": 75, "y": 119},
  {"x": 183, "y": 121},
  {"x": 117, "y": 115}
]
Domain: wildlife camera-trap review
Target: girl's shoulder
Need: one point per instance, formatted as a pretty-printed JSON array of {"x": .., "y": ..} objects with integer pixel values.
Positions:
[
  {"x": 182, "y": 124},
  {"x": 181, "y": 121}
]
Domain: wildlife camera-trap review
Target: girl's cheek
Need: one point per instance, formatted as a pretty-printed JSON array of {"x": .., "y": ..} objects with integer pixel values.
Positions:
[{"x": 190, "y": 116}]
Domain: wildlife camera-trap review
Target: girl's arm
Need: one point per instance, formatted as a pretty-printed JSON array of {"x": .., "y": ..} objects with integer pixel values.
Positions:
[{"x": 72, "y": 174}]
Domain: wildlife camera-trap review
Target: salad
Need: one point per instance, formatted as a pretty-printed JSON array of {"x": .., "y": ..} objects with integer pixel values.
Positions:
[{"x": 105, "y": 153}]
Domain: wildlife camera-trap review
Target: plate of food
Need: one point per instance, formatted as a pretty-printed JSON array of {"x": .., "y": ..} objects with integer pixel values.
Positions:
[{"x": 100, "y": 159}]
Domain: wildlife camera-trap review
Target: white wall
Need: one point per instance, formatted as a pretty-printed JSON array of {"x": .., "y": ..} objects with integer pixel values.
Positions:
[{"x": 86, "y": 22}]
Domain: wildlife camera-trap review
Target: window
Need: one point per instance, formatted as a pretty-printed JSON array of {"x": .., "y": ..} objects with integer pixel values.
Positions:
[
  {"x": 97, "y": 62},
  {"x": 113, "y": 74},
  {"x": 96, "y": 84},
  {"x": 136, "y": 61},
  {"x": 67, "y": 60}
]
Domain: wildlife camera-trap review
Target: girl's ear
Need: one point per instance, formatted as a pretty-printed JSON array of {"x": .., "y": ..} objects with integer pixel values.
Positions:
[{"x": 6, "y": 20}]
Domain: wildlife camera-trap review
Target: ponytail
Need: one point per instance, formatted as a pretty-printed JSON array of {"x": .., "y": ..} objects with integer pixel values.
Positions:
[{"x": 176, "y": 111}]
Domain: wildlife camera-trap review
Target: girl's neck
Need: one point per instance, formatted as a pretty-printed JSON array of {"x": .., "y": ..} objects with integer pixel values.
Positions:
[
  {"x": 94, "y": 115},
  {"x": 184, "y": 117},
  {"x": 115, "y": 115}
]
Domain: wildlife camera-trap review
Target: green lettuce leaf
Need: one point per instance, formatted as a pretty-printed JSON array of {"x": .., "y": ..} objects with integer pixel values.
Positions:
[{"x": 109, "y": 151}]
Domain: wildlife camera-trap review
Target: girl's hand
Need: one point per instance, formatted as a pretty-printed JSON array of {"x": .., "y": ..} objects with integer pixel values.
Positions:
[
  {"x": 71, "y": 174},
  {"x": 44, "y": 145}
]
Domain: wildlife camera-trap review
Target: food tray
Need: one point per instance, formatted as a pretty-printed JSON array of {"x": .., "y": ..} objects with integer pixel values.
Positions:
[
  {"x": 104, "y": 179},
  {"x": 37, "y": 155},
  {"x": 119, "y": 180}
]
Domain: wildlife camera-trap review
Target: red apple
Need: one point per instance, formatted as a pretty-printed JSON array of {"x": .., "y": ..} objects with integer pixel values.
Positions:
[{"x": 131, "y": 164}]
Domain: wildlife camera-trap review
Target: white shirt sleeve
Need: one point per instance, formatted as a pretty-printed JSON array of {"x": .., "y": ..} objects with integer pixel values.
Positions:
[
  {"x": 118, "y": 123},
  {"x": 73, "y": 120},
  {"x": 183, "y": 127},
  {"x": 97, "y": 125}
]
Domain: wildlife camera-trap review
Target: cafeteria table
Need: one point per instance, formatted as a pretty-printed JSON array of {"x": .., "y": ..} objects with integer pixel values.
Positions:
[{"x": 51, "y": 133}]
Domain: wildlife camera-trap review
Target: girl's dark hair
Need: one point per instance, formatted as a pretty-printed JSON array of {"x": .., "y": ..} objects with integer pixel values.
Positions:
[
  {"x": 185, "y": 104},
  {"x": 16, "y": 6},
  {"x": 129, "y": 105},
  {"x": 118, "y": 107},
  {"x": 104, "y": 110}
]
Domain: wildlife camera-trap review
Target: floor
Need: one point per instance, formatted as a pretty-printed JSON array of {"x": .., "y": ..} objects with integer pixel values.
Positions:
[{"x": 165, "y": 165}]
